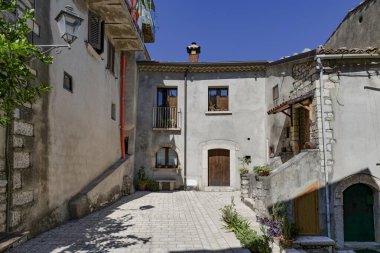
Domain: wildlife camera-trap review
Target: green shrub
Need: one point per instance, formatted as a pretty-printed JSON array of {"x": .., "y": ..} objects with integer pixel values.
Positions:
[
  {"x": 248, "y": 238},
  {"x": 152, "y": 185},
  {"x": 262, "y": 170}
]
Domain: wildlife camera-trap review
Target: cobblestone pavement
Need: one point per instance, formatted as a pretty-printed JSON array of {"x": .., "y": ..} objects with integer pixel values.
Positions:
[{"x": 183, "y": 221}]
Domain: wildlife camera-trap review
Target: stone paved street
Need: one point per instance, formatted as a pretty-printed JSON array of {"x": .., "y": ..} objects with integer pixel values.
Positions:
[{"x": 148, "y": 222}]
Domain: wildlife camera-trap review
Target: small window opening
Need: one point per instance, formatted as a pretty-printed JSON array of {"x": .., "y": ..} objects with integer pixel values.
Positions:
[
  {"x": 275, "y": 92},
  {"x": 113, "y": 111},
  {"x": 67, "y": 82},
  {"x": 126, "y": 140},
  {"x": 360, "y": 19}
]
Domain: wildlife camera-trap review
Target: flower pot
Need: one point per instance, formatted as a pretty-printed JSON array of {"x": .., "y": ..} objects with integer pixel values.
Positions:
[
  {"x": 286, "y": 243},
  {"x": 141, "y": 187}
]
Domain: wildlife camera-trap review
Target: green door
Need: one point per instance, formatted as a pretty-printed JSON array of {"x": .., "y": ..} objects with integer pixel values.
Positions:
[{"x": 358, "y": 214}]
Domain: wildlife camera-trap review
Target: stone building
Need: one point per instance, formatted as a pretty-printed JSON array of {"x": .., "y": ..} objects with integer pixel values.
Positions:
[
  {"x": 313, "y": 117},
  {"x": 72, "y": 151}
]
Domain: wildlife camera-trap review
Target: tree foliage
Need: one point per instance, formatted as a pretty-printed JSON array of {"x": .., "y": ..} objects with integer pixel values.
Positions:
[{"x": 17, "y": 83}]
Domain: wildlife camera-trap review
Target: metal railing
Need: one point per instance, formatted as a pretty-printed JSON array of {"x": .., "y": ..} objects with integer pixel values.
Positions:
[{"x": 166, "y": 118}]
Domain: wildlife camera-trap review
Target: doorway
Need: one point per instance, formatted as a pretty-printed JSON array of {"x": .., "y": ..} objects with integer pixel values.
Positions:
[
  {"x": 219, "y": 167},
  {"x": 306, "y": 212},
  {"x": 358, "y": 214}
]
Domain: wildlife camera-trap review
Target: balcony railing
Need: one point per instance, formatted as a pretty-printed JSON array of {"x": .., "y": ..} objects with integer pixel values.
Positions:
[
  {"x": 166, "y": 118},
  {"x": 143, "y": 16}
]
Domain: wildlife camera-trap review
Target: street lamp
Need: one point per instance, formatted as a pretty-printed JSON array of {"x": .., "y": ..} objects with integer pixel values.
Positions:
[{"x": 69, "y": 23}]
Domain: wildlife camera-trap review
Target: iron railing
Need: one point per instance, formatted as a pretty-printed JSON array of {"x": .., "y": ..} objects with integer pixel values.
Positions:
[{"x": 166, "y": 118}]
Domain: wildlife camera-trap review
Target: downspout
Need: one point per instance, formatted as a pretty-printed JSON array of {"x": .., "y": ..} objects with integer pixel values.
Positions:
[
  {"x": 321, "y": 87},
  {"x": 185, "y": 131},
  {"x": 122, "y": 104}
]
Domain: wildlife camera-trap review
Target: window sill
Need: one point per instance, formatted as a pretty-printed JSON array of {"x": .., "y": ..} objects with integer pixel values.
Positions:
[
  {"x": 218, "y": 113},
  {"x": 166, "y": 129},
  {"x": 93, "y": 53}
]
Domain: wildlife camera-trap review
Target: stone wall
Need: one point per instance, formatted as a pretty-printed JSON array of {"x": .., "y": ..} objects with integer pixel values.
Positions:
[
  {"x": 20, "y": 188},
  {"x": 285, "y": 183}
]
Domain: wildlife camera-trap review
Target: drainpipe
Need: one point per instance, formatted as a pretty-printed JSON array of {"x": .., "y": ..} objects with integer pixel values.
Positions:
[
  {"x": 321, "y": 85},
  {"x": 185, "y": 130},
  {"x": 122, "y": 104}
]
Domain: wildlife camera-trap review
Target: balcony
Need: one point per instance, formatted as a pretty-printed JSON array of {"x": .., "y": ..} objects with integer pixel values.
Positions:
[
  {"x": 166, "y": 118},
  {"x": 128, "y": 23}
]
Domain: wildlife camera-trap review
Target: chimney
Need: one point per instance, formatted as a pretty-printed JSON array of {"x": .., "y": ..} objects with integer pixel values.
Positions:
[{"x": 193, "y": 50}]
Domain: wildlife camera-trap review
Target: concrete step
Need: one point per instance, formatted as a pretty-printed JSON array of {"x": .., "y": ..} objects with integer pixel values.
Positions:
[
  {"x": 314, "y": 244},
  {"x": 9, "y": 240}
]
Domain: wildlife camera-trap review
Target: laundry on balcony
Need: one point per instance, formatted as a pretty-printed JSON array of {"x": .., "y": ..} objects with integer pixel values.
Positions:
[{"x": 145, "y": 13}]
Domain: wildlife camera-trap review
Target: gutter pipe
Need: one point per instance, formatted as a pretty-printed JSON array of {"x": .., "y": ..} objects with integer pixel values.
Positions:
[
  {"x": 346, "y": 56},
  {"x": 321, "y": 86},
  {"x": 122, "y": 104},
  {"x": 185, "y": 130}
]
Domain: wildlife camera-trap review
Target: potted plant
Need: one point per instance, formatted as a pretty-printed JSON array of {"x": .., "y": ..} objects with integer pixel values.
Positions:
[
  {"x": 289, "y": 232},
  {"x": 245, "y": 161},
  {"x": 211, "y": 107},
  {"x": 141, "y": 179},
  {"x": 262, "y": 171}
]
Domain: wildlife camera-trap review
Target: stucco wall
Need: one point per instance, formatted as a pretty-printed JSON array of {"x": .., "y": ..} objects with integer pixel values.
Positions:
[
  {"x": 205, "y": 131},
  {"x": 355, "y": 123},
  {"x": 360, "y": 29},
  {"x": 75, "y": 138}
]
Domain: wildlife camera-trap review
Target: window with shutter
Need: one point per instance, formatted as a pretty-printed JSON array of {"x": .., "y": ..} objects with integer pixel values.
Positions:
[
  {"x": 111, "y": 57},
  {"x": 95, "y": 32}
]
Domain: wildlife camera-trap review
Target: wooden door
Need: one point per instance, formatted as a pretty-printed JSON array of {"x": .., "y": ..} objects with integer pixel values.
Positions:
[
  {"x": 358, "y": 214},
  {"x": 219, "y": 167},
  {"x": 304, "y": 127},
  {"x": 306, "y": 212}
]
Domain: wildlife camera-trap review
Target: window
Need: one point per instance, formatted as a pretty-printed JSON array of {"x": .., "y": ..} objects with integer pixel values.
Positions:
[
  {"x": 167, "y": 97},
  {"x": 111, "y": 57},
  {"x": 67, "y": 82},
  {"x": 218, "y": 99},
  {"x": 95, "y": 32},
  {"x": 113, "y": 111},
  {"x": 166, "y": 158},
  {"x": 275, "y": 92}
]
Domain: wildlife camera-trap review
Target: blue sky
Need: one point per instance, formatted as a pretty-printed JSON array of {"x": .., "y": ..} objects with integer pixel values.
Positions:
[{"x": 244, "y": 30}]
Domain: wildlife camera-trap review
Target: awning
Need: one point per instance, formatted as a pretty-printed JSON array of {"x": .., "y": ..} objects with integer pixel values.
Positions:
[{"x": 286, "y": 105}]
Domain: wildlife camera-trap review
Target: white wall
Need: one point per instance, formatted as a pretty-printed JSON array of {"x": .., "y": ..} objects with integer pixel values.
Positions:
[{"x": 246, "y": 120}]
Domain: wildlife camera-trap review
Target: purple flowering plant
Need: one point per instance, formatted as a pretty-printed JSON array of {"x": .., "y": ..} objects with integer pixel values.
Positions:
[{"x": 273, "y": 228}]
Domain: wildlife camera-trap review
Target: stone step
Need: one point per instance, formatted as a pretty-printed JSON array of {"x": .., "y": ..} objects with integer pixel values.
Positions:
[
  {"x": 219, "y": 189},
  {"x": 9, "y": 240}
]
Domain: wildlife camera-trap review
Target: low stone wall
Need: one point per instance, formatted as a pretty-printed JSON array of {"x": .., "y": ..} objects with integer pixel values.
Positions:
[
  {"x": 105, "y": 189},
  {"x": 285, "y": 183}
]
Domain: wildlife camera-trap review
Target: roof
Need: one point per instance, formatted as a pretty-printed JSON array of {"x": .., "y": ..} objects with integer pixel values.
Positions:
[
  {"x": 286, "y": 105},
  {"x": 201, "y": 67},
  {"x": 343, "y": 50},
  {"x": 362, "y": 5}
]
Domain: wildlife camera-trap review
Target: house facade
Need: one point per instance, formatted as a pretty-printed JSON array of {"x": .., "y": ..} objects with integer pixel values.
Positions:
[
  {"x": 194, "y": 117},
  {"x": 73, "y": 151}
]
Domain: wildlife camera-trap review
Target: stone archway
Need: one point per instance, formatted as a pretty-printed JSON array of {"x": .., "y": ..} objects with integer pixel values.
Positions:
[{"x": 338, "y": 204}]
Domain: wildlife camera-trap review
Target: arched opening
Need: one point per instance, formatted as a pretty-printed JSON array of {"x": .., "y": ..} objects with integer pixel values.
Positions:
[
  {"x": 219, "y": 167},
  {"x": 166, "y": 157},
  {"x": 358, "y": 201}
]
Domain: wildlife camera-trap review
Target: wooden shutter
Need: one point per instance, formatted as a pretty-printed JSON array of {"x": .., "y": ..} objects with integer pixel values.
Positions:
[{"x": 95, "y": 32}]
